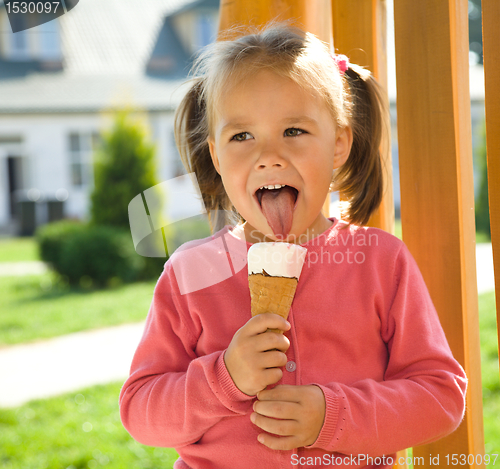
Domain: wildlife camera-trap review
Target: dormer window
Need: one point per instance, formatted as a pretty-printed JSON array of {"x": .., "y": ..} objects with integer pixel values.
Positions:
[
  {"x": 206, "y": 28},
  {"x": 197, "y": 29},
  {"x": 40, "y": 43},
  {"x": 49, "y": 44},
  {"x": 19, "y": 45}
]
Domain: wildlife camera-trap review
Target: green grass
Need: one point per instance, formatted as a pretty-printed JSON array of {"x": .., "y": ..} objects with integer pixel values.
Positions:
[
  {"x": 18, "y": 249},
  {"x": 37, "y": 307},
  {"x": 490, "y": 372},
  {"x": 80, "y": 430},
  {"x": 398, "y": 229},
  {"x": 482, "y": 237}
]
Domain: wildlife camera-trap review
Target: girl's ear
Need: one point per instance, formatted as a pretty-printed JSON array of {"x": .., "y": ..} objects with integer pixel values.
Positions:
[
  {"x": 213, "y": 153},
  {"x": 343, "y": 144}
]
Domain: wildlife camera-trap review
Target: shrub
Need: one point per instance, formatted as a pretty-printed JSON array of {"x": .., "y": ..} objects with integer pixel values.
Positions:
[
  {"x": 124, "y": 167},
  {"x": 482, "y": 205},
  {"x": 50, "y": 238},
  {"x": 86, "y": 254},
  {"x": 186, "y": 230}
]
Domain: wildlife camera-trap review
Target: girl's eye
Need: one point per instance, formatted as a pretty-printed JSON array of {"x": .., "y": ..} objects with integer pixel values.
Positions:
[
  {"x": 293, "y": 132},
  {"x": 241, "y": 137}
]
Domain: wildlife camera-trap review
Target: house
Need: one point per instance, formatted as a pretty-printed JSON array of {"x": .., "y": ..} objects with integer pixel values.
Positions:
[{"x": 57, "y": 81}]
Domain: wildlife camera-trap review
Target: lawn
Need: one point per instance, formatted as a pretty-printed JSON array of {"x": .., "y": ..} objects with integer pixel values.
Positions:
[
  {"x": 490, "y": 372},
  {"x": 80, "y": 430},
  {"x": 38, "y": 307},
  {"x": 18, "y": 249}
]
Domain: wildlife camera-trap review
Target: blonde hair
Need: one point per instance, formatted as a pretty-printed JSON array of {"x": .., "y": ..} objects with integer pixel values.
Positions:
[{"x": 353, "y": 100}]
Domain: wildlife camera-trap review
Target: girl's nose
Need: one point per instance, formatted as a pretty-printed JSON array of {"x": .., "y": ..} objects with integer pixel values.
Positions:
[{"x": 271, "y": 158}]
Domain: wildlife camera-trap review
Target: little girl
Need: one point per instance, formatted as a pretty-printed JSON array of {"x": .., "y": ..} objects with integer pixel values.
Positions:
[{"x": 271, "y": 124}]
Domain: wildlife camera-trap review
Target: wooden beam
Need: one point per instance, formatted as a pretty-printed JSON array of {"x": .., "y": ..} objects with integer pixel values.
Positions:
[
  {"x": 310, "y": 15},
  {"x": 491, "y": 52},
  {"x": 360, "y": 32},
  {"x": 437, "y": 200}
]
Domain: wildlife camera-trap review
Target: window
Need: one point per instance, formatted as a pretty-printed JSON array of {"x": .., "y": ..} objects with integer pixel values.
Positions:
[
  {"x": 81, "y": 148},
  {"x": 41, "y": 42},
  {"x": 19, "y": 44},
  {"x": 196, "y": 29},
  {"x": 49, "y": 46},
  {"x": 206, "y": 29}
]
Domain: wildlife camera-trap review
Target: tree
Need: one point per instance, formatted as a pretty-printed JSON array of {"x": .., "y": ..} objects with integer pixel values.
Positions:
[
  {"x": 124, "y": 167},
  {"x": 482, "y": 205}
]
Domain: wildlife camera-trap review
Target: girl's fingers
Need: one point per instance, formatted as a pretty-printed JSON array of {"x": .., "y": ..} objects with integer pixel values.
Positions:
[
  {"x": 271, "y": 341},
  {"x": 272, "y": 359},
  {"x": 278, "y": 409},
  {"x": 276, "y": 427},
  {"x": 282, "y": 392},
  {"x": 283, "y": 443},
  {"x": 260, "y": 323}
]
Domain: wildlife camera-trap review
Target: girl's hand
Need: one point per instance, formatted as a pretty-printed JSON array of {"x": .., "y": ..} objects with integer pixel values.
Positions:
[
  {"x": 295, "y": 413},
  {"x": 255, "y": 355}
]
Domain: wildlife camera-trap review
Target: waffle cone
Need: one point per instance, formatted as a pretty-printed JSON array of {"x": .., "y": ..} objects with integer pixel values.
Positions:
[{"x": 271, "y": 294}]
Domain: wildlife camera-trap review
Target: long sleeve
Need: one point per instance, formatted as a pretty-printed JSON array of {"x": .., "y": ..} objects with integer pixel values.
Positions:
[
  {"x": 422, "y": 395},
  {"x": 173, "y": 396}
]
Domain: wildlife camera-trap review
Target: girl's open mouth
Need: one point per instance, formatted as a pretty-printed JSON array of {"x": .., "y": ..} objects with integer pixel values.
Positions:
[
  {"x": 276, "y": 192},
  {"x": 277, "y": 206}
]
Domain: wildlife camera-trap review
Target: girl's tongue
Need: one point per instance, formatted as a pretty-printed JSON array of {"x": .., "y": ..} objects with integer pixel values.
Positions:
[{"x": 277, "y": 206}]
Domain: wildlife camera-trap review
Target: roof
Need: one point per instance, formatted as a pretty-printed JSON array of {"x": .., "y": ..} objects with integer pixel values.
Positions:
[
  {"x": 56, "y": 93},
  {"x": 106, "y": 48},
  {"x": 113, "y": 36}
]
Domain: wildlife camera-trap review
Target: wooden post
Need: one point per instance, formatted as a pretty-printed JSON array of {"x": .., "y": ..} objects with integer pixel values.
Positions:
[
  {"x": 491, "y": 40},
  {"x": 310, "y": 15},
  {"x": 437, "y": 200},
  {"x": 360, "y": 32}
]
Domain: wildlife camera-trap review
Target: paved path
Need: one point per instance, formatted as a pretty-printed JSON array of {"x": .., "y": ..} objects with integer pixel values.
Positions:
[
  {"x": 74, "y": 361},
  {"x": 484, "y": 268},
  {"x": 15, "y": 269},
  {"x": 66, "y": 363}
]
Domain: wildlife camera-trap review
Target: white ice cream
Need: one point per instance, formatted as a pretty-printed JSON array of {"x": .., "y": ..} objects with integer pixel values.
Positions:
[{"x": 277, "y": 259}]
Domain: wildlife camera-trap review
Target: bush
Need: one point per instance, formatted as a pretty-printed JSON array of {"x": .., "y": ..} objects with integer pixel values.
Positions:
[
  {"x": 186, "y": 230},
  {"x": 482, "y": 205},
  {"x": 50, "y": 238},
  {"x": 86, "y": 254},
  {"x": 124, "y": 166}
]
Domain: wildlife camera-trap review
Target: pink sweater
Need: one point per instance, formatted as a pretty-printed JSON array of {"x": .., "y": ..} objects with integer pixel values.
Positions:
[{"x": 363, "y": 329}]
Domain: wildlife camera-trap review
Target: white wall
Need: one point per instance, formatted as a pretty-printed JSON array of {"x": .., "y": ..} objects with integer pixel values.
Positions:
[{"x": 46, "y": 150}]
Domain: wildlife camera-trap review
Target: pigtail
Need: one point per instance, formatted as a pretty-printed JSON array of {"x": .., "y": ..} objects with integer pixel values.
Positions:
[
  {"x": 191, "y": 133},
  {"x": 360, "y": 180}
]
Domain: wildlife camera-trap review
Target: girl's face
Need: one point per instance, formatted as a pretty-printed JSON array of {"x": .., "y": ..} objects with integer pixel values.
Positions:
[{"x": 271, "y": 132}]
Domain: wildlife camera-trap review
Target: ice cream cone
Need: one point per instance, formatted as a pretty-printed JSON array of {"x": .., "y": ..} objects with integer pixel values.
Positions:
[
  {"x": 271, "y": 294},
  {"x": 274, "y": 270}
]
